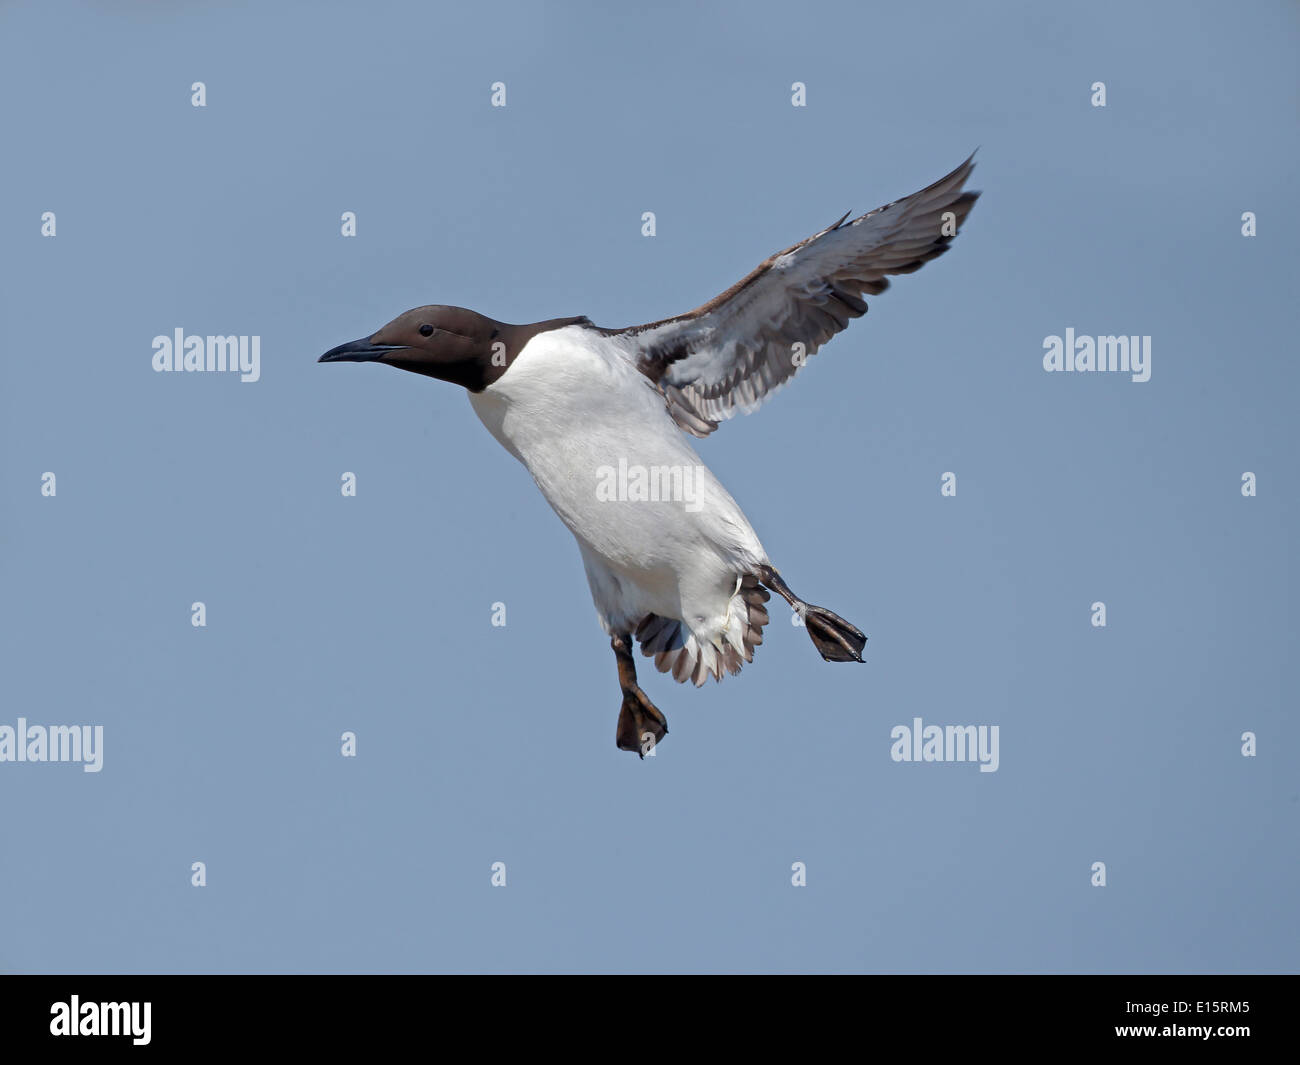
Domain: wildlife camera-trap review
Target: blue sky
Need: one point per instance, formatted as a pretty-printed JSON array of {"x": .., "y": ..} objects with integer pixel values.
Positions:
[{"x": 478, "y": 744}]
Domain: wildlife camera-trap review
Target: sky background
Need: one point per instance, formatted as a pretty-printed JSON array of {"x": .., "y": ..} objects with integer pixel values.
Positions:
[{"x": 479, "y": 744}]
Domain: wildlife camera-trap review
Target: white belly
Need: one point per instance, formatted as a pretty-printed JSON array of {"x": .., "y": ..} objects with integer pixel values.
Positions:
[{"x": 658, "y": 533}]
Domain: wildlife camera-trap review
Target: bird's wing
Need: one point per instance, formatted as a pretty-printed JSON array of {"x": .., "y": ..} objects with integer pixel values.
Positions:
[{"x": 737, "y": 349}]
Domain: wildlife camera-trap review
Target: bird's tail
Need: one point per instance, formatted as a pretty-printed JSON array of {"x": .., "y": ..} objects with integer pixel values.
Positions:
[{"x": 695, "y": 656}]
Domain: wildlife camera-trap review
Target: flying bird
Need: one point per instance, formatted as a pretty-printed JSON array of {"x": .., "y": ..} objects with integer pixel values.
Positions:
[{"x": 672, "y": 561}]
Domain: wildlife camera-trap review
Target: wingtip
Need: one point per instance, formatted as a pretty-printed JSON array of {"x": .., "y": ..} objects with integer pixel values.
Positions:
[{"x": 963, "y": 168}]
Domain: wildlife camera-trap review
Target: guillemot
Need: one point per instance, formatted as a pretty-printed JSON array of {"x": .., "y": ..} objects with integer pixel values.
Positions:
[{"x": 686, "y": 578}]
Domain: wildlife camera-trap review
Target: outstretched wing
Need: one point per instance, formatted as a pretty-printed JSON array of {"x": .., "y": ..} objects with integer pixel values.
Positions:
[{"x": 737, "y": 349}]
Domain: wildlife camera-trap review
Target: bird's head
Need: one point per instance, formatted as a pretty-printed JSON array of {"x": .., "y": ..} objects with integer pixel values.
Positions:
[{"x": 449, "y": 343}]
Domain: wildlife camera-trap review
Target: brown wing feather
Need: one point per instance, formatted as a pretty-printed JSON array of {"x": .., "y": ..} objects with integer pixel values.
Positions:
[{"x": 734, "y": 351}]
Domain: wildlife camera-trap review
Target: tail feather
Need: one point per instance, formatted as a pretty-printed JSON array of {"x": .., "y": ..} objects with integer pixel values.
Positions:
[{"x": 679, "y": 651}]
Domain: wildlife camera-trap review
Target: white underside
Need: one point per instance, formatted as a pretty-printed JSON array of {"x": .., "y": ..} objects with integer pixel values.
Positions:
[{"x": 571, "y": 407}]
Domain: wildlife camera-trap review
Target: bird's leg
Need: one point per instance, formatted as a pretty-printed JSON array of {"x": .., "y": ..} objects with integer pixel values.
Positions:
[
  {"x": 836, "y": 640},
  {"x": 640, "y": 724}
]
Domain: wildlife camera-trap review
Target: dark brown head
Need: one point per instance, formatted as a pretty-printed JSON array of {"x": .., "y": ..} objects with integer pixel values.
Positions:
[{"x": 449, "y": 343}]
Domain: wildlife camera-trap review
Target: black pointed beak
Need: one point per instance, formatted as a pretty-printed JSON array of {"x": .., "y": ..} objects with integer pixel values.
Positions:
[{"x": 358, "y": 351}]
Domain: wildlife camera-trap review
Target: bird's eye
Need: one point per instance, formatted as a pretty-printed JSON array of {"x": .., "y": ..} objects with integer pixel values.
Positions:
[{"x": 426, "y": 330}]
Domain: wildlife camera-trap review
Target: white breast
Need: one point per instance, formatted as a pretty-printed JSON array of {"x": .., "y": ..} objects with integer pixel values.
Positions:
[{"x": 572, "y": 408}]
